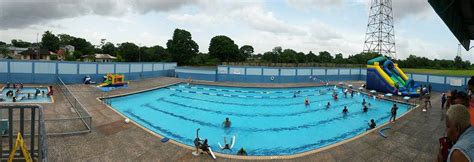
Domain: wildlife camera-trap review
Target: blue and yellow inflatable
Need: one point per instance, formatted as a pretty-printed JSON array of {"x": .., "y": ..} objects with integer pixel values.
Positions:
[{"x": 385, "y": 76}]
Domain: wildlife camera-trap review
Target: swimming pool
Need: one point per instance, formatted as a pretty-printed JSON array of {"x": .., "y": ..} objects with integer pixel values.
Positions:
[
  {"x": 265, "y": 121},
  {"x": 22, "y": 97}
]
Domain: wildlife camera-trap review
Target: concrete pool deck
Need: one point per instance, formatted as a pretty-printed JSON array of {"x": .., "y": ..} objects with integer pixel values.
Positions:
[{"x": 412, "y": 138}]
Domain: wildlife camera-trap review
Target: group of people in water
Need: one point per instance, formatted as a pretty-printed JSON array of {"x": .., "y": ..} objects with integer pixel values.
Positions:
[{"x": 19, "y": 87}]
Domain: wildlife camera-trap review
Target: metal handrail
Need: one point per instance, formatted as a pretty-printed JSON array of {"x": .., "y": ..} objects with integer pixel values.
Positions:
[{"x": 63, "y": 86}]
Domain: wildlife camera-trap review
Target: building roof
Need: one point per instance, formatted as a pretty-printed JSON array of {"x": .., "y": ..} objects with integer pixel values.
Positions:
[
  {"x": 32, "y": 51},
  {"x": 458, "y": 15},
  {"x": 104, "y": 56},
  {"x": 17, "y": 49},
  {"x": 101, "y": 56}
]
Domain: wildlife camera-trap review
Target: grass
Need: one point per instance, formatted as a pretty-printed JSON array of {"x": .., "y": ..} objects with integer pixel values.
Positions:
[{"x": 440, "y": 72}]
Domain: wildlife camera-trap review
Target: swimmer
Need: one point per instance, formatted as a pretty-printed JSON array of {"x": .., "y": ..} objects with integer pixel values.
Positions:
[
  {"x": 21, "y": 85},
  {"x": 365, "y": 109},
  {"x": 371, "y": 124},
  {"x": 352, "y": 94},
  {"x": 14, "y": 99},
  {"x": 226, "y": 123},
  {"x": 29, "y": 95},
  {"x": 42, "y": 93},
  {"x": 294, "y": 95},
  {"x": 328, "y": 105},
  {"x": 242, "y": 152},
  {"x": 363, "y": 102},
  {"x": 306, "y": 101},
  {"x": 334, "y": 96},
  {"x": 345, "y": 111},
  {"x": 226, "y": 145}
]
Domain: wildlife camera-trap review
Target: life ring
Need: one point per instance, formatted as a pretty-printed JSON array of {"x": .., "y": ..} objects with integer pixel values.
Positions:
[{"x": 272, "y": 78}]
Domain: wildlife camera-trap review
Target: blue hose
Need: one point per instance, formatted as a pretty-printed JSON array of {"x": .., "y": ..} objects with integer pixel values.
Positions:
[{"x": 381, "y": 132}]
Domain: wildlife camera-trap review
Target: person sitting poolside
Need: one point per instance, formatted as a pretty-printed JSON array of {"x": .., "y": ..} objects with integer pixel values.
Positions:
[
  {"x": 21, "y": 85},
  {"x": 365, "y": 109},
  {"x": 345, "y": 111},
  {"x": 226, "y": 123},
  {"x": 197, "y": 142},
  {"x": 306, "y": 101},
  {"x": 205, "y": 147},
  {"x": 8, "y": 85},
  {"x": 14, "y": 86},
  {"x": 50, "y": 91},
  {"x": 242, "y": 152},
  {"x": 371, "y": 124}
]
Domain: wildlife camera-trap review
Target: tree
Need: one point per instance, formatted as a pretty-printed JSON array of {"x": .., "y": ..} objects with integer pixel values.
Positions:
[
  {"x": 224, "y": 49},
  {"x": 288, "y": 56},
  {"x": 3, "y": 43},
  {"x": 311, "y": 57},
  {"x": 50, "y": 41},
  {"x": 20, "y": 43},
  {"x": 458, "y": 62},
  {"x": 128, "y": 51},
  {"x": 109, "y": 48},
  {"x": 77, "y": 55},
  {"x": 182, "y": 47},
  {"x": 325, "y": 57},
  {"x": 246, "y": 51},
  {"x": 339, "y": 59},
  {"x": 80, "y": 44},
  {"x": 65, "y": 39}
]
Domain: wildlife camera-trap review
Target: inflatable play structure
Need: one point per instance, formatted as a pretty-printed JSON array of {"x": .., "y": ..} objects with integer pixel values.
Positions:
[
  {"x": 114, "y": 80},
  {"x": 385, "y": 76}
]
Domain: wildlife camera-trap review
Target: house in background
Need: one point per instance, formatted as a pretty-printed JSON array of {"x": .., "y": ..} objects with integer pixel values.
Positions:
[
  {"x": 35, "y": 54},
  {"x": 12, "y": 51},
  {"x": 99, "y": 58}
]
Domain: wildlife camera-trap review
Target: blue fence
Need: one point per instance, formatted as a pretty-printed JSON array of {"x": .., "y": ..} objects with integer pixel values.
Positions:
[
  {"x": 271, "y": 74},
  {"x": 308, "y": 74},
  {"x": 441, "y": 83},
  {"x": 18, "y": 71}
]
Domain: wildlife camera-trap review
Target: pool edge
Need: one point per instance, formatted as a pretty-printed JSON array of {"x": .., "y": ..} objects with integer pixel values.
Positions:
[{"x": 276, "y": 157}]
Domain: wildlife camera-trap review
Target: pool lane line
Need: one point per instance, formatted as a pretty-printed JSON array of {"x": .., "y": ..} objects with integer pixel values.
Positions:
[
  {"x": 162, "y": 130},
  {"x": 246, "y": 91},
  {"x": 243, "y": 96},
  {"x": 305, "y": 126},
  {"x": 239, "y": 104},
  {"x": 308, "y": 110}
]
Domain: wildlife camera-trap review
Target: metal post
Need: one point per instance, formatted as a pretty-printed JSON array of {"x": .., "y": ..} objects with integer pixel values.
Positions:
[
  {"x": 22, "y": 122},
  {"x": 32, "y": 132},
  {"x": 10, "y": 127}
]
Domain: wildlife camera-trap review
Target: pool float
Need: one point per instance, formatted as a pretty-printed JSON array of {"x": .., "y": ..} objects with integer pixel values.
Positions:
[
  {"x": 381, "y": 132},
  {"x": 212, "y": 153}
]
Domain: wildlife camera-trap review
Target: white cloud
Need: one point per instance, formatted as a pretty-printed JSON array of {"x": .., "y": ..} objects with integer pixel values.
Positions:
[
  {"x": 19, "y": 14},
  {"x": 308, "y": 5}
]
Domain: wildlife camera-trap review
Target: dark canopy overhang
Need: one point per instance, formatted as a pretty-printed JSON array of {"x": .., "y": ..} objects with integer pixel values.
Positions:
[{"x": 458, "y": 15}]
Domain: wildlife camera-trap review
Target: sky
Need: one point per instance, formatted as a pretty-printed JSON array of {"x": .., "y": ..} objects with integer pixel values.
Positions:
[{"x": 336, "y": 26}]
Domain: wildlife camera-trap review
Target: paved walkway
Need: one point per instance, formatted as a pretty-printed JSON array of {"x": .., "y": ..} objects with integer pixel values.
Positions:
[{"x": 412, "y": 138}]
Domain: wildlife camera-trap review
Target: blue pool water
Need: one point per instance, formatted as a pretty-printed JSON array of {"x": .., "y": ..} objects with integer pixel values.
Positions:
[
  {"x": 265, "y": 121},
  {"x": 23, "y": 95}
]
